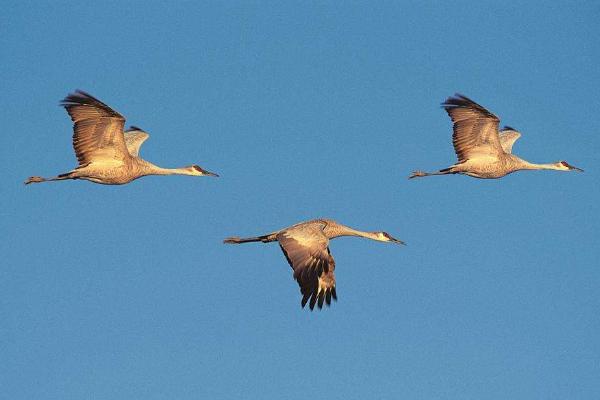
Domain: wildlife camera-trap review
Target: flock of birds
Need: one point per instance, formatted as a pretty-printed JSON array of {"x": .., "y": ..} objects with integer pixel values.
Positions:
[{"x": 108, "y": 154}]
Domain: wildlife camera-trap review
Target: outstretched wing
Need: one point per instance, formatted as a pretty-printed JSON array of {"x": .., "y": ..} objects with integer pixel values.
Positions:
[
  {"x": 508, "y": 137},
  {"x": 306, "y": 249},
  {"x": 475, "y": 129},
  {"x": 97, "y": 129},
  {"x": 134, "y": 138}
]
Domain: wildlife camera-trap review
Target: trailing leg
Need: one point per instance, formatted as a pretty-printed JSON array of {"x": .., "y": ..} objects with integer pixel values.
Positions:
[
  {"x": 39, "y": 179},
  {"x": 445, "y": 171},
  {"x": 238, "y": 240}
]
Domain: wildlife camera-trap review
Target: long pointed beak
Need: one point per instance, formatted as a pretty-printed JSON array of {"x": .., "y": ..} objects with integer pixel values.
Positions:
[
  {"x": 397, "y": 241},
  {"x": 576, "y": 169},
  {"x": 208, "y": 173}
]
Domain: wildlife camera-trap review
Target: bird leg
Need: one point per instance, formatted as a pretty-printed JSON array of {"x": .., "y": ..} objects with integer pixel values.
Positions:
[
  {"x": 445, "y": 171},
  {"x": 38, "y": 179},
  {"x": 238, "y": 240},
  {"x": 34, "y": 179},
  {"x": 417, "y": 174}
]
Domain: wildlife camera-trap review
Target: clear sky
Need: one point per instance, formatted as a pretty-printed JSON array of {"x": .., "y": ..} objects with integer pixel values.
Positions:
[{"x": 305, "y": 109}]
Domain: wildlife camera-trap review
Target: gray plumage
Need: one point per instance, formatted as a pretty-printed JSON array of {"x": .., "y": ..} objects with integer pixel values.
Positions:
[
  {"x": 106, "y": 153},
  {"x": 306, "y": 248},
  {"x": 484, "y": 151}
]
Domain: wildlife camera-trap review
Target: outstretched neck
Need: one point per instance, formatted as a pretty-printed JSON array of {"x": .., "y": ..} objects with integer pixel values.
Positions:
[
  {"x": 534, "y": 166},
  {"x": 151, "y": 169},
  {"x": 173, "y": 171},
  {"x": 342, "y": 230}
]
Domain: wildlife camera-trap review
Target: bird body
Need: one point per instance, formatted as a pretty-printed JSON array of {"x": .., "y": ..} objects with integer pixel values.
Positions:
[
  {"x": 306, "y": 248},
  {"x": 484, "y": 151},
  {"x": 122, "y": 172},
  {"x": 106, "y": 153},
  {"x": 489, "y": 167}
]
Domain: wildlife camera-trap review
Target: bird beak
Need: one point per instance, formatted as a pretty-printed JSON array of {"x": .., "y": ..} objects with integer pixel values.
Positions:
[
  {"x": 397, "y": 241},
  {"x": 208, "y": 173},
  {"x": 576, "y": 169}
]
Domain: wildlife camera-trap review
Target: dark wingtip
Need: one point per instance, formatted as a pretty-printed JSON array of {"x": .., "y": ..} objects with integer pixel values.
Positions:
[
  {"x": 458, "y": 100},
  {"x": 321, "y": 299},
  {"x": 462, "y": 101},
  {"x": 82, "y": 98},
  {"x": 313, "y": 301},
  {"x": 77, "y": 97},
  {"x": 134, "y": 128},
  {"x": 305, "y": 300},
  {"x": 507, "y": 128}
]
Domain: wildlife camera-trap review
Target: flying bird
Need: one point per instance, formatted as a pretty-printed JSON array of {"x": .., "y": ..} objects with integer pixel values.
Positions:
[
  {"x": 306, "y": 248},
  {"x": 106, "y": 153},
  {"x": 483, "y": 151}
]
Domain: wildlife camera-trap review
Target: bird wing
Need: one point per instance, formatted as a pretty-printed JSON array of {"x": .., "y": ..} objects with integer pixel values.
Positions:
[
  {"x": 508, "y": 137},
  {"x": 475, "y": 128},
  {"x": 134, "y": 138},
  {"x": 97, "y": 129},
  {"x": 306, "y": 249}
]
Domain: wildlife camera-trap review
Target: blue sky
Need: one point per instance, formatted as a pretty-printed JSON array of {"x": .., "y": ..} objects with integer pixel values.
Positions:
[{"x": 315, "y": 109}]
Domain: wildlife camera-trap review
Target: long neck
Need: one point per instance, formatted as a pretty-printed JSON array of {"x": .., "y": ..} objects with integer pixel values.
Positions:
[
  {"x": 527, "y": 165},
  {"x": 151, "y": 169},
  {"x": 342, "y": 230}
]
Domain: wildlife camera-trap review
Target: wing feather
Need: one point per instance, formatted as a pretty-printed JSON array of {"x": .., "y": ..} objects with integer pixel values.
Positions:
[
  {"x": 97, "y": 129},
  {"x": 134, "y": 138},
  {"x": 508, "y": 137},
  {"x": 475, "y": 128},
  {"x": 306, "y": 249}
]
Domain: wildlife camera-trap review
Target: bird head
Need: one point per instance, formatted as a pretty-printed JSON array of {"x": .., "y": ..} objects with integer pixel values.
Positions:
[
  {"x": 386, "y": 237},
  {"x": 565, "y": 166},
  {"x": 199, "y": 171}
]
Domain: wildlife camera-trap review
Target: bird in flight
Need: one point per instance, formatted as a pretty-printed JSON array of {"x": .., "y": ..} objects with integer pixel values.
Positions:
[
  {"x": 106, "y": 153},
  {"x": 482, "y": 149},
  {"x": 306, "y": 248}
]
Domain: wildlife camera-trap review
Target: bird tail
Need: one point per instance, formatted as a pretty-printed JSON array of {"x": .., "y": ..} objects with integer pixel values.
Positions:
[{"x": 238, "y": 240}]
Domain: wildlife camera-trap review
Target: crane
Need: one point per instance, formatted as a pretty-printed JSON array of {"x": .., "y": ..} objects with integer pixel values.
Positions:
[
  {"x": 306, "y": 248},
  {"x": 483, "y": 151},
  {"x": 106, "y": 153}
]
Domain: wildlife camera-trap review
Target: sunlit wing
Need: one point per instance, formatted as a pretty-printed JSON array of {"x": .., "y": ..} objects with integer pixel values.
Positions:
[
  {"x": 475, "y": 129},
  {"x": 508, "y": 137},
  {"x": 134, "y": 138},
  {"x": 306, "y": 249},
  {"x": 97, "y": 129}
]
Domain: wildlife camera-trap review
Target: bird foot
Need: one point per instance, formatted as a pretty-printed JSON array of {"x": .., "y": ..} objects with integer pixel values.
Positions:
[
  {"x": 34, "y": 179},
  {"x": 417, "y": 174}
]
